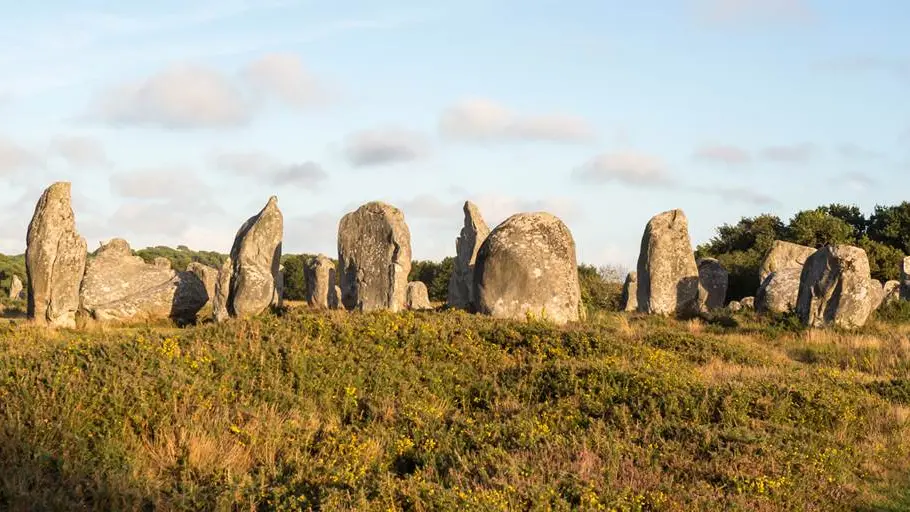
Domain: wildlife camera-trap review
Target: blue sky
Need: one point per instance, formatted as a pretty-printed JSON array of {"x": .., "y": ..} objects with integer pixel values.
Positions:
[{"x": 176, "y": 120}]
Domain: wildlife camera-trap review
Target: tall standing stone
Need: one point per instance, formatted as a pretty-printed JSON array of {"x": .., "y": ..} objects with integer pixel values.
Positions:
[
  {"x": 54, "y": 259},
  {"x": 320, "y": 282},
  {"x": 630, "y": 292},
  {"x": 783, "y": 256},
  {"x": 374, "y": 258},
  {"x": 255, "y": 256},
  {"x": 474, "y": 232},
  {"x": 714, "y": 280},
  {"x": 835, "y": 288},
  {"x": 15, "y": 287},
  {"x": 528, "y": 266},
  {"x": 418, "y": 298},
  {"x": 667, "y": 274}
]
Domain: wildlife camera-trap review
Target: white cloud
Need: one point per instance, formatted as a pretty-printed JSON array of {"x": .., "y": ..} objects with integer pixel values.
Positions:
[
  {"x": 482, "y": 120},
  {"x": 723, "y": 153},
  {"x": 159, "y": 184},
  {"x": 850, "y": 151},
  {"x": 627, "y": 167},
  {"x": 182, "y": 96},
  {"x": 79, "y": 151},
  {"x": 14, "y": 157},
  {"x": 384, "y": 146},
  {"x": 284, "y": 77},
  {"x": 307, "y": 174}
]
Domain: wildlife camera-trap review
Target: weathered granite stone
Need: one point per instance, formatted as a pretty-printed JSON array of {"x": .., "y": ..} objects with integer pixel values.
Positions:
[
  {"x": 119, "y": 286},
  {"x": 714, "y": 279},
  {"x": 208, "y": 275},
  {"x": 905, "y": 278},
  {"x": 417, "y": 296},
  {"x": 256, "y": 255},
  {"x": 222, "y": 290},
  {"x": 474, "y": 232},
  {"x": 335, "y": 299},
  {"x": 835, "y": 288},
  {"x": 784, "y": 255},
  {"x": 630, "y": 292},
  {"x": 320, "y": 282},
  {"x": 891, "y": 291},
  {"x": 374, "y": 258},
  {"x": 527, "y": 265},
  {"x": 876, "y": 293},
  {"x": 55, "y": 259},
  {"x": 748, "y": 302},
  {"x": 15, "y": 287},
  {"x": 735, "y": 306},
  {"x": 667, "y": 274},
  {"x": 779, "y": 291}
]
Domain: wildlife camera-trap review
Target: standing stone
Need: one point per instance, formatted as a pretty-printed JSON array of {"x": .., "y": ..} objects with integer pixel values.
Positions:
[
  {"x": 891, "y": 291},
  {"x": 374, "y": 258},
  {"x": 905, "y": 278},
  {"x": 418, "y": 297},
  {"x": 208, "y": 275},
  {"x": 120, "y": 286},
  {"x": 835, "y": 288},
  {"x": 54, "y": 259},
  {"x": 474, "y": 232},
  {"x": 667, "y": 274},
  {"x": 320, "y": 282},
  {"x": 714, "y": 279},
  {"x": 782, "y": 256},
  {"x": 222, "y": 290},
  {"x": 779, "y": 291},
  {"x": 528, "y": 266},
  {"x": 335, "y": 299},
  {"x": 735, "y": 306},
  {"x": 630, "y": 292},
  {"x": 748, "y": 302},
  {"x": 256, "y": 255},
  {"x": 15, "y": 287},
  {"x": 876, "y": 293}
]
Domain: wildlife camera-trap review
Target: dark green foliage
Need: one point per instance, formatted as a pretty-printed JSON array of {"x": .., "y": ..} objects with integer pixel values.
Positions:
[
  {"x": 435, "y": 275},
  {"x": 10, "y": 266},
  {"x": 884, "y": 260},
  {"x": 895, "y": 312},
  {"x": 295, "y": 275},
  {"x": 891, "y": 226},
  {"x": 597, "y": 292},
  {"x": 182, "y": 256},
  {"x": 815, "y": 228}
]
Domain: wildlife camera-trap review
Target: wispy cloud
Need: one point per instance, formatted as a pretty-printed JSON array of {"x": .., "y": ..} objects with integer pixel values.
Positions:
[
  {"x": 794, "y": 153},
  {"x": 14, "y": 157},
  {"x": 724, "y": 154},
  {"x": 79, "y": 151},
  {"x": 260, "y": 166},
  {"x": 626, "y": 167},
  {"x": 481, "y": 120}
]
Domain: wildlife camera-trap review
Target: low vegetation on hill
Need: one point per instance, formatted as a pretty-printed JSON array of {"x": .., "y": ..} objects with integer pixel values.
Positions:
[{"x": 451, "y": 411}]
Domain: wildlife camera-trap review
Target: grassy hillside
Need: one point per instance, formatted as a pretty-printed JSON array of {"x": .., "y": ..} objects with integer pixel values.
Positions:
[{"x": 447, "y": 411}]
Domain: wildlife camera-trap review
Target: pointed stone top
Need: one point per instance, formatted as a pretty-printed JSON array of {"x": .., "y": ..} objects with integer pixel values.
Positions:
[
  {"x": 273, "y": 202},
  {"x": 59, "y": 190},
  {"x": 116, "y": 245}
]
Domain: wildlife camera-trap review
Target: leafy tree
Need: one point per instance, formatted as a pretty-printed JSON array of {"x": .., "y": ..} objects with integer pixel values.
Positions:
[
  {"x": 849, "y": 214},
  {"x": 890, "y": 225},
  {"x": 599, "y": 291},
  {"x": 815, "y": 228},
  {"x": 435, "y": 275},
  {"x": 181, "y": 256},
  {"x": 294, "y": 276},
  {"x": 884, "y": 260},
  {"x": 10, "y": 266}
]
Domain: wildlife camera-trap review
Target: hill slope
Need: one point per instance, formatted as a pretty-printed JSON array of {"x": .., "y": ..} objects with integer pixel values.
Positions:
[{"x": 445, "y": 411}]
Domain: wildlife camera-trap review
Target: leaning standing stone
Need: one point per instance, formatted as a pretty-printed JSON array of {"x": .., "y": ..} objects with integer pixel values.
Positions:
[
  {"x": 528, "y": 266},
  {"x": 474, "y": 232},
  {"x": 15, "y": 287},
  {"x": 667, "y": 274},
  {"x": 418, "y": 297},
  {"x": 374, "y": 258},
  {"x": 256, "y": 257},
  {"x": 54, "y": 259},
  {"x": 835, "y": 288}
]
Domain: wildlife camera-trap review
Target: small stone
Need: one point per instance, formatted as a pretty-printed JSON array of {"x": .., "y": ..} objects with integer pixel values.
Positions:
[
  {"x": 418, "y": 298},
  {"x": 630, "y": 292}
]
